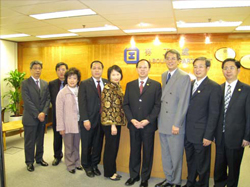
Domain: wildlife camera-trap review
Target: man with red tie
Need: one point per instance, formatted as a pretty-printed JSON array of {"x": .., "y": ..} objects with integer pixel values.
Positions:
[{"x": 141, "y": 105}]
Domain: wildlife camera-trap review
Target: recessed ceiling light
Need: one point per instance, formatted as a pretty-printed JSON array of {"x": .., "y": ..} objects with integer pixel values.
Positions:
[
  {"x": 57, "y": 35},
  {"x": 106, "y": 28},
  {"x": 142, "y": 24},
  {"x": 182, "y": 24},
  {"x": 13, "y": 35},
  {"x": 62, "y": 14},
  {"x": 209, "y": 4},
  {"x": 243, "y": 28},
  {"x": 150, "y": 30}
]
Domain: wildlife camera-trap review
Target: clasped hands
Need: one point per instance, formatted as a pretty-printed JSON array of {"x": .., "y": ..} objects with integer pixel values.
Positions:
[
  {"x": 139, "y": 124},
  {"x": 41, "y": 117}
]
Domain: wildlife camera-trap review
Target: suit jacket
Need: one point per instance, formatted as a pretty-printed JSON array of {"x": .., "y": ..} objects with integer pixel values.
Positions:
[
  {"x": 237, "y": 122},
  {"x": 203, "y": 112},
  {"x": 142, "y": 106},
  {"x": 174, "y": 101},
  {"x": 54, "y": 88},
  {"x": 89, "y": 101},
  {"x": 35, "y": 101},
  {"x": 67, "y": 111}
]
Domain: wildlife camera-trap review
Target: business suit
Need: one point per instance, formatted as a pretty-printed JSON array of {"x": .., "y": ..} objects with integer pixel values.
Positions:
[
  {"x": 201, "y": 121},
  {"x": 174, "y": 105},
  {"x": 229, "y": 151},
  {"x": 89, "y": 108},
  {"x": 35, "y": 101},
  {"x": 54, "y": 88},
  {"x": 142, "y": 106}
]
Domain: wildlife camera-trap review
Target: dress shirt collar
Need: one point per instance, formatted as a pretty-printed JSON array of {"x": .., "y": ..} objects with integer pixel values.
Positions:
[
  {"x": 144, "y": 81},
  {"x": 232, "y": 84},
  {"x": 172, "y": 72},
  {"x": 200, "y": 81},
  {"x": 101, "y": 82}
]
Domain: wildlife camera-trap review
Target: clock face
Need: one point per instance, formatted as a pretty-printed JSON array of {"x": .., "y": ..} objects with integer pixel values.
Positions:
[
  {"x": 224, "y": 53},
  {"x": 245, "y": 61}
]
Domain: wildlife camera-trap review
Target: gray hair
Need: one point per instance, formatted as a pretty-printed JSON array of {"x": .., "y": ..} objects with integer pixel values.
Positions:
[{"x": 35, "y": 62}]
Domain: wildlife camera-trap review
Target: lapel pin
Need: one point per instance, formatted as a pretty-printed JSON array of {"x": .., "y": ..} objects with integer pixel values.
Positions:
[
  {"x": 199, "y": 91},
  {"x": 239, "y": 89},
  {"x": 147, "y": 84}
]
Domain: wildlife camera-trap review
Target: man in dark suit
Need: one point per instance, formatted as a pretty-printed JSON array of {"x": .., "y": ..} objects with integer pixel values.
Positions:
[
  {"x": 36, "y": 99},
  {"x": 233, "y": 130},
  {"x": 54, "y": 87},
  {"x": 89, "y": 97},
  {"x": 201, "y": 121},
  {"x": 141, "y": 105}
]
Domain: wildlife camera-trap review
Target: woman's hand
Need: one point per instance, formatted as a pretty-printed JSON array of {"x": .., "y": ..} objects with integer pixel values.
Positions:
[{"x": 113, "y": 130}]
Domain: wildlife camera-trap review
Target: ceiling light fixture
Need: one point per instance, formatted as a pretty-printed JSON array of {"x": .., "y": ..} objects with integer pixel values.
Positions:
[
  {"x": 182, "y": 41},
  {"x": 157, "y": 41},
  {"x": 207, "y": 40},
  {"x": 106, "y": 28},
  {"x": 243, "y": 28},
  {"x": 63, "y": 14},
  {"x": 209, "y": 4},
  {"x": 57, "y": 35},
  {"x": 150, "y": 30},
  {"x": 220, "y": 23},
  {"x": 132, "y": 42},
  {"x": 13, "y": 35}
]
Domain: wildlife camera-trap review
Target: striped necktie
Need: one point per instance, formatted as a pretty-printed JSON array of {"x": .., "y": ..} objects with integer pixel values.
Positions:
[
  {"x": 226, "y": 103},
  {"x": 195, "y": 88}
]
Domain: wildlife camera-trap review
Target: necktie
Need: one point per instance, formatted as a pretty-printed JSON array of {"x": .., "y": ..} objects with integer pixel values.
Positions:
[
  {"x": 99, "y": 93},
  {"x": 61, "y": 86},
  {"x": 194, "y": 88},
  {"x": 226, "y": 103},
  {"x": 169, "y": 76},
  {"x": 141, "y": 87},
  {"x": 37, "y": 83},
  {"x": 99, "y": 89}
]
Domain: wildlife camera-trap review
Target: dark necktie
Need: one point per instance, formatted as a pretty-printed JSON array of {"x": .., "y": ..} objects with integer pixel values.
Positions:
[
  {"x": 99, "y": 93},
  {"x": 169, "y": 76},
  {"x": 99, "y": 89},
  {"x": 37, "y": 83},
  {"x": 141, "y": 87}
]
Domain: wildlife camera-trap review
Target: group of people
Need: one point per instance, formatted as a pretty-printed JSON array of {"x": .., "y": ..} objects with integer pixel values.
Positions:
[{"x": 189, "y": 115}]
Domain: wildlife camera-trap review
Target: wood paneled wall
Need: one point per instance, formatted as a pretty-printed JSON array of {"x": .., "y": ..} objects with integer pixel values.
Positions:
[{"x": 110, "y": 50}]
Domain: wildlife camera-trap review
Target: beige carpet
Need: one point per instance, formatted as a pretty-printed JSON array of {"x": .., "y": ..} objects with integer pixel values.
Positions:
[{"x": 58, "y": 176}]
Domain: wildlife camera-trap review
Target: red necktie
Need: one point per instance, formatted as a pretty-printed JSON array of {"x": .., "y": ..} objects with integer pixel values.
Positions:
[
  {"x": 141, "y": 87},
  {"x": 99, "y": 93}
]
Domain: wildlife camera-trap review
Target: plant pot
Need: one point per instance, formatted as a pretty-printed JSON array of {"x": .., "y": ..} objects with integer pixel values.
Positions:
[{"x": 15, "y": 118}]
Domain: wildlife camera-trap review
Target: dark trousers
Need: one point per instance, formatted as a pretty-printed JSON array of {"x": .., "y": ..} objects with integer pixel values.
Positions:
[
  {"x": 91, "y": 142},
  {"x": 110, "y": 150},
  {"x": 198, "y": 163},
  {"x": 141, "y": 140},
  {"x": 230, "y": 159},
  {"x": 57, "y": 145},
  {"x": 33, "y": 142}
]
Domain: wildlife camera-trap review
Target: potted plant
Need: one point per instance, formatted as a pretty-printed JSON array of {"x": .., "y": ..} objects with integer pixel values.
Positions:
[{"x": 14, "y": 81}]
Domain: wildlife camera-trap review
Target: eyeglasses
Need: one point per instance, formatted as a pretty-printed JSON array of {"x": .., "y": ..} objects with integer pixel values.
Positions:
[
  {"x": 173, "y": 59},
  {"x": 37, "y": 68},
  {"x": 231, "y": 68}
]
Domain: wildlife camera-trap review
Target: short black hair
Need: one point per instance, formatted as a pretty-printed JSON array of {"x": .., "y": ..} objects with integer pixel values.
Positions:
[
  {"x": 207, "y": 62},
  {"x": 72, "y": 71},
  {"x": 36, "y": 62},
  {"x": 61, "y": 64},
  {"x": 96, "y": 61},
  {"x": 149, "y": 65},
  {"x": 116, "y": 68},
  {"x": 173, "y": 51},
  {"x": 237, "y": 63}
]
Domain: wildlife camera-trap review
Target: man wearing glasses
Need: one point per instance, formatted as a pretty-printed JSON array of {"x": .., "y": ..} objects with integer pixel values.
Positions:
[
  {"x": 174, "y": 104},
  {"x": 233, "y": 130}
]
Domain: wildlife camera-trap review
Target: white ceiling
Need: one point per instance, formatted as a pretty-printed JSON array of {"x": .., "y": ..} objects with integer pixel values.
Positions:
[{"x": 125, "y": 14}]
